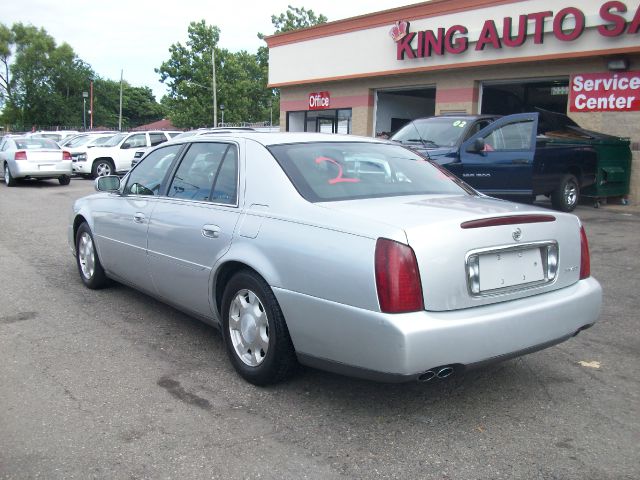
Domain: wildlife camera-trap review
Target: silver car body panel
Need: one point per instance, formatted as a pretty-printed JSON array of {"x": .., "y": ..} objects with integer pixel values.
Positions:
[{"x": 319, "y": 260}]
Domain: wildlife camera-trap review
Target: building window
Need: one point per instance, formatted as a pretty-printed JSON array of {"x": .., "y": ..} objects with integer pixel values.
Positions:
[{"x": 325, "y": 121}]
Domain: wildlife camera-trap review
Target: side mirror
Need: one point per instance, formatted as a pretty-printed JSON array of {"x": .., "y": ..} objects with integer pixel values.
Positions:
[{"x": 109, "y": 183}]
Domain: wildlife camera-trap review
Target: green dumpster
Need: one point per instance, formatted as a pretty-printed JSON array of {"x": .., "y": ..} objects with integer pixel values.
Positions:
[{"x": 613, "y": 168}]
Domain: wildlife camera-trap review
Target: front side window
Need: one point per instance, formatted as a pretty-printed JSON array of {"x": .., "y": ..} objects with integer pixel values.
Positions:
[
  {"x": 512, "y": 136},
  {"x": 147, "y": 177},
  {"x": 208, "y": 172},
  {"x": 135, "y": 141},
  {"x": 332, "y": 171}
]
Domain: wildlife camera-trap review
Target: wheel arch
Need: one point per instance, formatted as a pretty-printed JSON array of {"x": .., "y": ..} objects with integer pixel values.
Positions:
[{"x": 242, "y": 258}]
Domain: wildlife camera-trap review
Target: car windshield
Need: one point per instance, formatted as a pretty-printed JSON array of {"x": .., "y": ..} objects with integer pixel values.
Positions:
[
  {"x": 101, "y": 140},
  {"x": 78, "y": 141},
  {"x": 32, "y": 143},
  {"x": 115, "y": 140},
  {"x": 432, "y": 132},
  {"x": 345, "y": 171}
]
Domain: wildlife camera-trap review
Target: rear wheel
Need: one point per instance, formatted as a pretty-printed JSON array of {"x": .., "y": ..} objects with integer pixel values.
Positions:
[
  {"x": 64, "y": 180},
  {"x": 255, "y": 331},
  {"x": 565, "y": 198},
  {"x": 8, "y": 178},
  {"x": 102, "y": 167},
  {"x": 89, "y": 266}
]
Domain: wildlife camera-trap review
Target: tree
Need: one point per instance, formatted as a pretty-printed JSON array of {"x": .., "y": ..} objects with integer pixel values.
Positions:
[
  {"x": 295, "y": 19},
  {"x": 240, "y": 79},
  {"x": 41, "y": 85}
]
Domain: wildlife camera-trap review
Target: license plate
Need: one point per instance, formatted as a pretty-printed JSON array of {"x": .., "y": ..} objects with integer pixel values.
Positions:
[
  {"x": 506, "y": 269},
  {"x": 46, "y": 166}
]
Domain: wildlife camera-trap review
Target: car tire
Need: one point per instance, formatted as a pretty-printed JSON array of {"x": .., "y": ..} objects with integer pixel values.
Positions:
[
  {"x": 89, "y": 266},
  {"x": 64, "y": 180},
  {"x": 9, "y": 180},
  {"x": 255, "y": 332},
  {"x": 565, "y": 198},
  {"x": 102, "y": 167}
]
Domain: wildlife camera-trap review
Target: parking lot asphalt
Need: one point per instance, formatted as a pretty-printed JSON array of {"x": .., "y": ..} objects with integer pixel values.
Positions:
[{"x": 113, "y": 384}]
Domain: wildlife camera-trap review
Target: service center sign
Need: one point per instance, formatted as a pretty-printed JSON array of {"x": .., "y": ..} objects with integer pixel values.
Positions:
[
  {"x": 319, "y": 100},
  {"x": 605, "y": 92}
]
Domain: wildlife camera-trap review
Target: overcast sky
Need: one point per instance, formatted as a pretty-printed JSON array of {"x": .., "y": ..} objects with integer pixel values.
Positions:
[{"x": 135, "y": 35}]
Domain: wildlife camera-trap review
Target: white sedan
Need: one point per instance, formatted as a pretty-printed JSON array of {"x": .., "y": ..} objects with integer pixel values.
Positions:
[
  {"x": 344, "y": 253},
  {"x": 33, "y": 157}
]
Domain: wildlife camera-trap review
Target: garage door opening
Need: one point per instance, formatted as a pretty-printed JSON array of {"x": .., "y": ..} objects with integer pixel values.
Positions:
[
  {"x": 505, "y": 98},
  {"x": 394, "y": 108}
]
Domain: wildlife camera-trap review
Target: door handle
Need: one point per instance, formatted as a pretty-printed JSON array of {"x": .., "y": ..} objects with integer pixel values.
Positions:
[
  {"x": 520, "y": 161},
  {"x": 211, "y": 231},
  {"x": 139, "y": 217}
]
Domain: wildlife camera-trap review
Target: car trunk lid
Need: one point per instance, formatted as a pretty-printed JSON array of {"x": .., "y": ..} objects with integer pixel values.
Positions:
[{"x": 479, "y": 251}]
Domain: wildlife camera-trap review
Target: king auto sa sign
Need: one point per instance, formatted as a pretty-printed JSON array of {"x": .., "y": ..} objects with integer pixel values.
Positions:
[{"x": 605, "y": 92}]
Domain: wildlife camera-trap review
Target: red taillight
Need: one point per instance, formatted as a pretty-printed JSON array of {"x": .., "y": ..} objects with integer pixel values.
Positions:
[
  {"x": 66, "y": 155},
  {"x": 585, "y": 261},
  {"x": 397, "y": 277},
  {"x": 20, "y": 155}
]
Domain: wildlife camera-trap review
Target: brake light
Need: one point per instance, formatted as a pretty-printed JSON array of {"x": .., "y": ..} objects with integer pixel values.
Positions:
[
  {"x": 585, "y": 261},
  {"x": 66, "y": 155},
  {"x": 20, "y": 155},
  {"x": 397, "y": 277}
]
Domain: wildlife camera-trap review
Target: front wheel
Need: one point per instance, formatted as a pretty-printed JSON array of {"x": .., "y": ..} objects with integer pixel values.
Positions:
[
  {"x": 102, "y": 168},
  {"x": 255, "y": 332},
  {"x": 64, "y": 179},
  {"x": 8, "y": 178},
  {"x": 565, "y": 198},
  {"x": 89, "y": 266}
]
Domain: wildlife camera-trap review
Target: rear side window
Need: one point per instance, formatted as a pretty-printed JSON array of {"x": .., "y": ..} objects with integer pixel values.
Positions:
[
  {"x": 157, "y": 138},
  {"x": 345, "y": 171},
  {"x": 208, "y": 172},
  {"x": 147, "y": 177}
]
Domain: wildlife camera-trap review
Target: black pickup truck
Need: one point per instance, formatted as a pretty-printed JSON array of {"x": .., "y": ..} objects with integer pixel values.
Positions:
[{"x": 516, "y": 156}]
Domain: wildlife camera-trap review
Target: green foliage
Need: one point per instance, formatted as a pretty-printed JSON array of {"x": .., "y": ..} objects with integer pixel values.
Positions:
[
  {"x": 296, "y": 18},
  {"x": 241, "y": 80},
  {"x": 41, "y": 84}
]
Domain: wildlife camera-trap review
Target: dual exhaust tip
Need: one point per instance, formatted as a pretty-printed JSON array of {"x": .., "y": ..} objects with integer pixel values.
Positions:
[{"x": 439, "y": 372}]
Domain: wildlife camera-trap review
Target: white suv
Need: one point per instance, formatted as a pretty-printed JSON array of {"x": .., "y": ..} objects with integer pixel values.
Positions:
[{"x": 115, "y": 155}]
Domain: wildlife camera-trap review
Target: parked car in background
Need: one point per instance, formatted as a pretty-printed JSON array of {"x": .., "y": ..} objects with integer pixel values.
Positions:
[
  {"x": 55, "y": 135},
  {"x": 33, "y": 157},
  {"x": 115, "y": 155},
  {"x": 79, "y": 145},
  {"x": 193, "y": 133},
  {"x": 339, "y": 252},
  {"x": 84, "y": 137},
  {"x": 517, "y": 156}
]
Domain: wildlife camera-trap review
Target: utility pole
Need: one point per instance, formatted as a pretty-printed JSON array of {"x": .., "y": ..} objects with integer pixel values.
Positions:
[
  {"x": 215, "y": 98},
  {"x": 91, "y": 105},
  {"x": 120, "y": 117}
]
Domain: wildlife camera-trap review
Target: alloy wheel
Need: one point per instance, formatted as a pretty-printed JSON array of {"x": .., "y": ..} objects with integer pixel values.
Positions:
[{"x": 249, "y": 328}]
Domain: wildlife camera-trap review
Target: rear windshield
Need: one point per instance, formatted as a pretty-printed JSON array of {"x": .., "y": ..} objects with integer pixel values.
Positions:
[
  {"x": 32, "y": 143},
  {"x": 345, "y": 171}
]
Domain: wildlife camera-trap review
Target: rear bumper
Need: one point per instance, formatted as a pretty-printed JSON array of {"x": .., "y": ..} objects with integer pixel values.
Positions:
[
  {"x": 400, "y": 347},
  {"x": 23, "y": 169}
]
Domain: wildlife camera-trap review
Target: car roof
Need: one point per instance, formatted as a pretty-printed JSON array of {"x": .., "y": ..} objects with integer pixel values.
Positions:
[{"x": 280, "y": 138}]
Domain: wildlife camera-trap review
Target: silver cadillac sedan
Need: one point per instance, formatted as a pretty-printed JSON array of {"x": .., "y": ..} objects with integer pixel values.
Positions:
[{"x": 343, "y": 253}]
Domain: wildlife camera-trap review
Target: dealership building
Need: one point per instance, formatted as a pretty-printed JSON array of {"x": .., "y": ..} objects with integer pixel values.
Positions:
[{"x": 369, "y": 75}]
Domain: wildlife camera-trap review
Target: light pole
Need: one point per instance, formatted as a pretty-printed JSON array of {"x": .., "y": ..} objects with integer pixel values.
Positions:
[
  {"x": 85, "y": 95},
  {"x": 213, "y": 81},
  {"x": 222, "y": 111}
]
